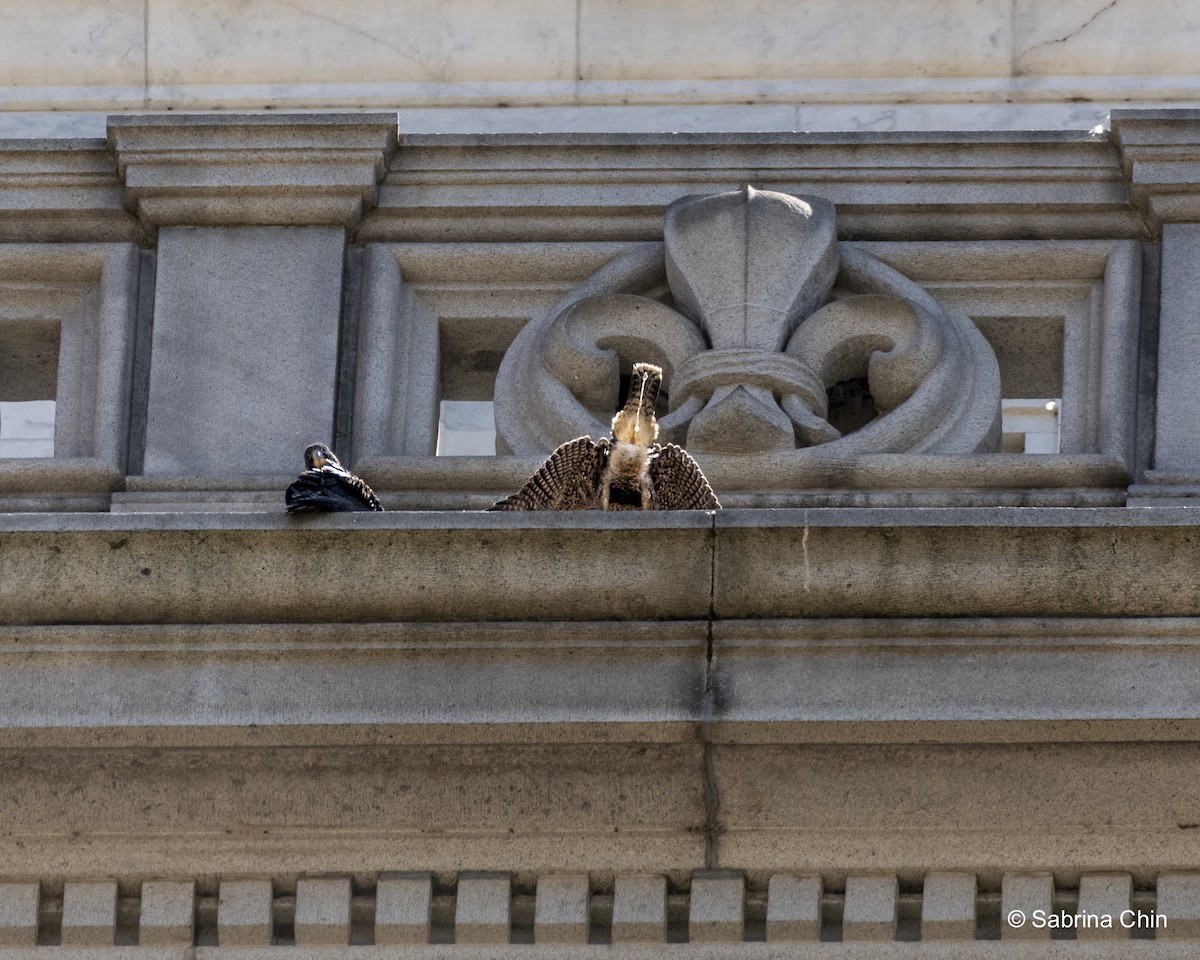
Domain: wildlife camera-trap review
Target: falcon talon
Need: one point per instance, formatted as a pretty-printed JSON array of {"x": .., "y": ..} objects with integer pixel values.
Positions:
[
  {"x": 628, "y": 470},
  {"x": 327, "y": 486}
]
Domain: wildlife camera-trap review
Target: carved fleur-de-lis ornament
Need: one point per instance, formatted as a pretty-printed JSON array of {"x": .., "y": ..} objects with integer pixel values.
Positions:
[{"x": 758, "y": 317}]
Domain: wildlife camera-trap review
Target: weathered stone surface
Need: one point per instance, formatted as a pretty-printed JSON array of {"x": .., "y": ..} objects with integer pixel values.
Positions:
[
  {"x": 870, "y": 908},
  {"x": 639, "y": 909},
  {"x": 1037, "y": 562},
  {"x": 245, "y": 320},
  {"x": 1178, "y": 901},
  {"x": 244, "y": 913},
  {"x": 716, "y": 912},
  {"x": 374, "y": 808},
  {"x": 482, "y": 912},
  {"x": 403, "y": 905},
  {"x": 89, "y": 915},
  {"x": 1105, "y": 896},
  {"x": 323, "y": 912},
  {"x": 948, "y": 907},
  {"x": 859, "y": 563},
  {"x": 19, "y": 914},
  {"x": 785, "y": 675},
  {"x": 363, "y": 567},
  {"x": 1081, "y": 806},
  {"x": 1021, "y": 896},
  {"x": 562, "y": 909},
  {"x": 793, "y": 908},
  {"x": 167, "y": 916}
]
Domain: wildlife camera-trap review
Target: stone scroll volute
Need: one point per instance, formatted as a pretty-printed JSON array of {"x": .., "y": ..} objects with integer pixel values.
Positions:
[{"x": 774, "y": 337}]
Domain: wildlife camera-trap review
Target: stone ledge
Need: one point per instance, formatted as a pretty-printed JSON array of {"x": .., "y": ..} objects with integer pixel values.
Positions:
[{"x": 159, "y": 568}]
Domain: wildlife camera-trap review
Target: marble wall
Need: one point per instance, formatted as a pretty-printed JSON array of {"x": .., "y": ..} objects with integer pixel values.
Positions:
[{"x": 601, "y": 64}]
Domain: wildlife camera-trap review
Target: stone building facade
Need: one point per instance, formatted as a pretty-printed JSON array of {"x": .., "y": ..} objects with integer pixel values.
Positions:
[{"x": 931, "y": 667}]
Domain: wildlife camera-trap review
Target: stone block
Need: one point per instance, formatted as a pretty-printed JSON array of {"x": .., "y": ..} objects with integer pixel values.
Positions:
[
  {"x": 168, "y": 912},
  {"x": 323, "y": 912},
  {"x": 1024, "y": 893},
  {"x": 19, "y": 914},
  {"x": 244, "y": 913},
  {"x": 246, "y": 319},
  {"x": 1104, "y": 895},
  {"x": 89, "y": 917},
  {"x": 483, "y": 912},
  {"x": 948, "y": 907},
  {"x": 793, "y": 908},
  {"x": 717, "y": 910},
  {"x": 639, "y": 909},
  {"x": 562, "y": 909},
  {"x": 870, "y": 908},
  {"x": 1179, "y": 903},
  {"x": 403, "y": 907}
]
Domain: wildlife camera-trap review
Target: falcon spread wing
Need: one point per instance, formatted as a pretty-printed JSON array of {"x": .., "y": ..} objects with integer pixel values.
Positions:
[
  {"x": 678, "y": 482},
  {"x": 566, "y": 481},
  {"x": 328, "y": 486},
  {"x": 628, "y": 471}
]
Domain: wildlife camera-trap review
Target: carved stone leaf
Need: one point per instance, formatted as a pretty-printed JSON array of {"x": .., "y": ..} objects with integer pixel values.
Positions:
[
  {"x": 584, "y": 348},
  {"x": 750, "y": 263}
]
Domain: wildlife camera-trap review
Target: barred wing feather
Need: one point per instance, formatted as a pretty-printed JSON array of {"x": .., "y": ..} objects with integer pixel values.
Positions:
[
  {"x": 566, "y": 481},
  {"x": 679, "y": 483}
]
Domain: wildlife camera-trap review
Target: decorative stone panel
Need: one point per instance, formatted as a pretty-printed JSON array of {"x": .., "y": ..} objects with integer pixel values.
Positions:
[{"x": 753, "y": 348}]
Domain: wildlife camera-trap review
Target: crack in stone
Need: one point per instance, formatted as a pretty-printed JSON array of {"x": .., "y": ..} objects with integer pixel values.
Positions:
[
  {"x": 361, "y": 33},
  {"x": 1068, "y": 36}
]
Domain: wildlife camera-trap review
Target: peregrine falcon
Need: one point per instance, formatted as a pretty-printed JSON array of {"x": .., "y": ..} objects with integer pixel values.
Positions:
[
  {"x": 627, "y": 471},
  {"x": 326, "y": 485}
]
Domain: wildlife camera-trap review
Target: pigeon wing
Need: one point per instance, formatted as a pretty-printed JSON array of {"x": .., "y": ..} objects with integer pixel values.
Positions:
[
  {"x": 329, "y": 489},
  {"x": 679, "y": 483},
  {"x": 566, "y": 481}
]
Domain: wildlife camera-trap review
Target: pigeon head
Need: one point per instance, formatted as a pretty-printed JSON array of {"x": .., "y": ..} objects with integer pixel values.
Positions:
[{"x": 317, "y": 455}]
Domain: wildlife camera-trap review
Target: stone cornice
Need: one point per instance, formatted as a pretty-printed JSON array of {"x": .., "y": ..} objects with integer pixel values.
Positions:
[
  {"x": 897, "y": 186},
  {"x": 61, "y": 191},
  {"x": 1160, "y": 154},
  {"x": 252, "y": 169}
]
